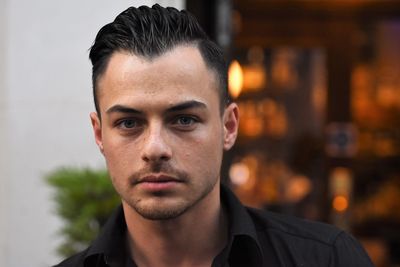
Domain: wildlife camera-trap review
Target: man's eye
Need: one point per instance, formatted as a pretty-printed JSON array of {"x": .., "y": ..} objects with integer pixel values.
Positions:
[
  {"x": 185, "y": 121},
  {"x": 128, "y": 124}
]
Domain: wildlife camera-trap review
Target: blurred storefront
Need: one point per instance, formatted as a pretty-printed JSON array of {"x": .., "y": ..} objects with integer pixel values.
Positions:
[{"x": 318, "y": 85}]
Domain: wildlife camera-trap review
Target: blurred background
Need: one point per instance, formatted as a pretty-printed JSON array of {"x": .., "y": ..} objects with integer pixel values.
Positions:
[
  {"x": 317, "y": 82},
  {"x": 318, "y": 86}
]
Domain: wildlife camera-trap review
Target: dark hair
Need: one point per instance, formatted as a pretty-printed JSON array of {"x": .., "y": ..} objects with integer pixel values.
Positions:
[{"x": 150, "y": 32}]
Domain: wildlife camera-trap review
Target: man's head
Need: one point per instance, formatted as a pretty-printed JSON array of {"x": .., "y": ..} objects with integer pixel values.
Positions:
[
  {"x": 151, "y": 32},
  {"x": 164, "y": 120}
]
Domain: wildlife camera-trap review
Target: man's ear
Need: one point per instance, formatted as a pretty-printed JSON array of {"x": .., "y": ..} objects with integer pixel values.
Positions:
[
  {"x": 231, "y": 125},
  {"x": 96, "y": 124}
]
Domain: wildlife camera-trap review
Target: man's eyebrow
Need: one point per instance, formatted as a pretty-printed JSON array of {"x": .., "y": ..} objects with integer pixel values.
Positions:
[
  {"x": 187, "y": 105},
  {"x": 175, "y": 108},
  {"x": 122, "y": 109}
]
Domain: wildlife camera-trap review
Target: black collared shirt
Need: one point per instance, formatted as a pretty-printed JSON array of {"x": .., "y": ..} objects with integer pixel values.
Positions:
[{"x": 256, "y": 238}]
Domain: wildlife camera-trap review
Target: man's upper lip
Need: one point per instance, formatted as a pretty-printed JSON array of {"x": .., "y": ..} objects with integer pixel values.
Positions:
[{"x": 158, "y": 179}]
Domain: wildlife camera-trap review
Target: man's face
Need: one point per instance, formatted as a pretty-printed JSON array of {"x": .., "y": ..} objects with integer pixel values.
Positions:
[{"x": 161, "y": 130}]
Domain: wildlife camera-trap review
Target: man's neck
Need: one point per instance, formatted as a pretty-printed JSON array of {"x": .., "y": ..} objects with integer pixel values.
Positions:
[{"x": 192, "y": 239}]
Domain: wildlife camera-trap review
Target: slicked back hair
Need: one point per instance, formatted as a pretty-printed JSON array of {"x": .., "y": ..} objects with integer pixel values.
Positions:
[{"x": 151, "y": 32}]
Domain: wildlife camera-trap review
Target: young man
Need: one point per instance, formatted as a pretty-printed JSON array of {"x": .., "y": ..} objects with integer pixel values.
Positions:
[{"x": 162, "y": 122}]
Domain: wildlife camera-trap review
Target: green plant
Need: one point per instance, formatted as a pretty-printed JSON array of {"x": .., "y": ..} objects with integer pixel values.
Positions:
[{"x": 84, "y": 199}]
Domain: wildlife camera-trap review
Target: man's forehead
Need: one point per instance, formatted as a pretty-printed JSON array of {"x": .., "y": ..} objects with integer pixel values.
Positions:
[
  {"x": 182, "y": 57},
  {"x": 180, "y": 67},
  {"x": 173, "y": 55}
]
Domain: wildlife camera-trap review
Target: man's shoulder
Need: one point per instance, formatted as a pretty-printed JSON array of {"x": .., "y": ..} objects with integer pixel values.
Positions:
[
  {"x": 304, "y": 242},
  {"x": 290, "y": 227},
  {"x": 73, "y": 261}
]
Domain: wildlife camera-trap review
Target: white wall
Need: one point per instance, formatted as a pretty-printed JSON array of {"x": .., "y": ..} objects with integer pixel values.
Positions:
[
  {"x": 3, "y": 116},
  {"x": 45, "y": 99}
]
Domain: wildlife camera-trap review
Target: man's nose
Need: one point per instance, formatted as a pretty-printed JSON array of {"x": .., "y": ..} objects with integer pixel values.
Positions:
[{"x": 156, "y": 147}]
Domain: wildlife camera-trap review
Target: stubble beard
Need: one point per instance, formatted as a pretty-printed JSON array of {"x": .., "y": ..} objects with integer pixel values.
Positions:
[
  {"x": 171, "y": 211},
  {"x": 158, "y": 209}
]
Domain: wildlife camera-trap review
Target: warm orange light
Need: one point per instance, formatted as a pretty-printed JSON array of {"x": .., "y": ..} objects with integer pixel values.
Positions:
[
  {"x": 254, "y": 77},
  {"x": 235, "y": 79},
  {"x": 297, "y": 187},
  {"x": 340, "y": 203}
]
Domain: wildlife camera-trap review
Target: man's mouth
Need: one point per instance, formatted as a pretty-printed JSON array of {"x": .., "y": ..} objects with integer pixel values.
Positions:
[
  {"x": 158, "y": 179},
  {"x": 158, "y": 182}
]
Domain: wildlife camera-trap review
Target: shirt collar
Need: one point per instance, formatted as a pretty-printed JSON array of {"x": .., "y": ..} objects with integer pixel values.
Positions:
[
  {"x": 110, "y": 243},
  {"x": 242, "y": 234}
]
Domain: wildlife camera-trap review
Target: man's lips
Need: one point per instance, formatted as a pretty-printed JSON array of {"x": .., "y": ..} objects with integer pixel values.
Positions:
[
  {"x": 158, "y": 179},
  {"x": 158, "y": 182}
]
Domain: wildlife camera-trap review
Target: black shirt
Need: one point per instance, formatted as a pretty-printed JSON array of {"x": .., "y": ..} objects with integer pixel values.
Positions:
[{"x": 256, "y": 238}]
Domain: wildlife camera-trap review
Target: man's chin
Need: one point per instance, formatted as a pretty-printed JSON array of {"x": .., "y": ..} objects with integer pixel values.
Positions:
[
  {"x": 158, "y": 207},
  {"x": 160, "y": 213}
]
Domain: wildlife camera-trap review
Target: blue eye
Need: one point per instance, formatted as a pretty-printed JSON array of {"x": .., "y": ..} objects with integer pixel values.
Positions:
[
  {"x": 185, "y": 120},
  {"x": 128, "y": 124}
]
